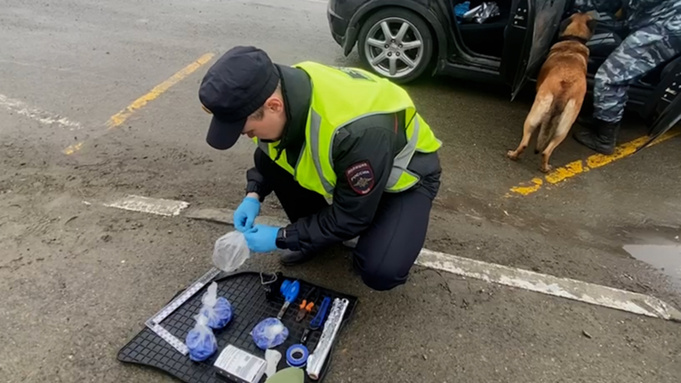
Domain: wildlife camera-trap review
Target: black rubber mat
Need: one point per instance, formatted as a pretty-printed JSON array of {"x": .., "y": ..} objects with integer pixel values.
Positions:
[{"x": 250, "y": 306}]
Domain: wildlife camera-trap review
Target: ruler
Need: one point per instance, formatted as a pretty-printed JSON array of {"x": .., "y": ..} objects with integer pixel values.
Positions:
[{"x": 154, "y": 323}]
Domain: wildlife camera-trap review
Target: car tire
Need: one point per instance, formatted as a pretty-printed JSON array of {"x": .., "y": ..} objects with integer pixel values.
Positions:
[{"x": 402, "y": 57}]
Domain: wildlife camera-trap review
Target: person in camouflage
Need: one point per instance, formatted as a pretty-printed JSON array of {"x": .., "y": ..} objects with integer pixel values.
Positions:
[{"x": 655, "y": 39}]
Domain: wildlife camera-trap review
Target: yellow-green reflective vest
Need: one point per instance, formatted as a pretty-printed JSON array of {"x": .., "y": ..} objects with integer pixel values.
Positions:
[{"x": 339, "y": 97}]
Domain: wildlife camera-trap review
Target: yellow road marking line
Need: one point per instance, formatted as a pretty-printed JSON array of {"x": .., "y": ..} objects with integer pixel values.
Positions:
[
  {"x": 73, "y": 148},
  {"x": 582, "y": 166},
  {"x": 120, "y": 117}
]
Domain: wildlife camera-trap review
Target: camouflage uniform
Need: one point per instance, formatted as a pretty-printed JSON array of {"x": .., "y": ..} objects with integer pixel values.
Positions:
[{"x": 655, "y": 40}]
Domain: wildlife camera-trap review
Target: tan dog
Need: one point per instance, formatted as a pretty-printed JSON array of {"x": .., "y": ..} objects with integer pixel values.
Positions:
[{"x": 561, "y": 87}]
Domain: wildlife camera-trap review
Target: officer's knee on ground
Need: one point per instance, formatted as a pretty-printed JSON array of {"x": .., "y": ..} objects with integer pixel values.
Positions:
[{"x": 381, "y": 279}]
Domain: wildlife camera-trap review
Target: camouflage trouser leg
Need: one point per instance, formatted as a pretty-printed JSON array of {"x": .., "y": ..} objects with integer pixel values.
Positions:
[{"x": 638, "y": 54}]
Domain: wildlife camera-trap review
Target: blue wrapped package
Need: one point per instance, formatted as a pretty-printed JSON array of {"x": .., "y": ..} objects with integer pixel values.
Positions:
[
  {"x": 217, "y": 310},
  {"x": 200, "y": 340},
  {"x": 269, "y": 333},
  {"x": 461, "y": 9}
]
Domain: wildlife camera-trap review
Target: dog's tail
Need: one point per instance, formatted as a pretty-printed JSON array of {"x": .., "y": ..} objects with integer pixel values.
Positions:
[{"x": 549, "y": 124}]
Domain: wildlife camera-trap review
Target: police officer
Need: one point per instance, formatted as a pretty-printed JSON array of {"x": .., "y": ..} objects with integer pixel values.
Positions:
[
  {"x": 656, "y": 38},
  {"x": 327, "y": 133}
]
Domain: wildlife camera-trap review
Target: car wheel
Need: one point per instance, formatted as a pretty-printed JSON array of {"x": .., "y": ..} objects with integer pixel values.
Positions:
[{"x": 396, "y": 43}]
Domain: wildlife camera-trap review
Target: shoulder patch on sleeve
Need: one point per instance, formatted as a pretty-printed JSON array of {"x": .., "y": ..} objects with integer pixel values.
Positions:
[{"x": 360, "y": 176}]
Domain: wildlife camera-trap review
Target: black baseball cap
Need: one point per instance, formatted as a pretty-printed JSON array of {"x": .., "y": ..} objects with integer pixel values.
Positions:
[{"x": 233, "y": 88}]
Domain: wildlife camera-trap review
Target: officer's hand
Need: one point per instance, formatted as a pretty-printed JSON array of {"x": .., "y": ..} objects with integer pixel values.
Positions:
[
  {"x": 262, "y": 238},
  {"x": 245, "y": 214}
]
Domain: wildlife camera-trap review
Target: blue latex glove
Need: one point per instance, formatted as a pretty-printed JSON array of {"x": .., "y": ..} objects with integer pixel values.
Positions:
[
  {"x": 262, "y": 238},
  {"x": 245, "y": 214}
]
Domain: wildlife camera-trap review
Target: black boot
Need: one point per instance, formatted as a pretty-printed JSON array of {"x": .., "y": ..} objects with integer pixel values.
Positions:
[
  {"x": 292, "y": 258},
  {"x": 600, "y": 136},
  {"x": 587, "y": 122}
]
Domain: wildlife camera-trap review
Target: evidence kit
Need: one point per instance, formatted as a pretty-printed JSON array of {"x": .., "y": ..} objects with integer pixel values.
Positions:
[{"x": 247, "y": 327}]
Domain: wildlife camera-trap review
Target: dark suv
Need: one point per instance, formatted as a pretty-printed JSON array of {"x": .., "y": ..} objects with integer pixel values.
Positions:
[{"x": 402, "y": 39}]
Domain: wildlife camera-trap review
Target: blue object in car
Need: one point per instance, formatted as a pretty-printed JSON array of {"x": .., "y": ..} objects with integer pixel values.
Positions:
[{"x": 461, "y": 9}]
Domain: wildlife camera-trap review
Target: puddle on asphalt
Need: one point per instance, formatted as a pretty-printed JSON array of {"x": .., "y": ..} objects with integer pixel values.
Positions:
[{"x": 660, "y": 249}]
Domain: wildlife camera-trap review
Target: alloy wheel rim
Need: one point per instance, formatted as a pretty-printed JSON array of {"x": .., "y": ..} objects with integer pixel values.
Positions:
[{"x": 394, "y": 47}]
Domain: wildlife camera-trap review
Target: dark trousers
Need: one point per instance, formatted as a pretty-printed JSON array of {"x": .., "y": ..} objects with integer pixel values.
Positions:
[{"x": 386, "y": 250}]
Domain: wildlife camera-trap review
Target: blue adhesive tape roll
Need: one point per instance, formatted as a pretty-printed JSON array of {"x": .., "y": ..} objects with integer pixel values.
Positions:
[{"x": 296, "y": 355}]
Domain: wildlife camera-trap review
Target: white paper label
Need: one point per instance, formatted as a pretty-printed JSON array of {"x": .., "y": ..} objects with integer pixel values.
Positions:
[{"x": 241, "y": 364}]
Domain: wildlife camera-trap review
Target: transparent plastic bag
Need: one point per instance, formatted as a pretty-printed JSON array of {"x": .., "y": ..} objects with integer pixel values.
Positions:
[
  {"x": 272, "y": 357},
  {"x": 269, "y": 333},
  {"x": 200, "y": 340},
  {"x": 230, "y": 251},
  {"x": 218, "y": 310}
]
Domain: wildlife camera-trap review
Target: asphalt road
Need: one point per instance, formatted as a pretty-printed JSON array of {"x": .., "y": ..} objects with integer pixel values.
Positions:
[{"x": 78, "y": 280}]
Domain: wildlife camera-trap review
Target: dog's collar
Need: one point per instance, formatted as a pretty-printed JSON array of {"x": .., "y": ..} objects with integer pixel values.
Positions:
[{"x": 574, "y": 38}]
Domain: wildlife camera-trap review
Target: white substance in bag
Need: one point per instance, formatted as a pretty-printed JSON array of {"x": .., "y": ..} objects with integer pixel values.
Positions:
[{"x": 230, "y": 251}]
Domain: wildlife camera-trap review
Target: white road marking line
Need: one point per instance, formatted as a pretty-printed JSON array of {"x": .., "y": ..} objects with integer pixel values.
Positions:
[
  {"x": 508, "y": 276},
  {"x": 156, "y": 206},
  {"x": 43, "y": 117},
  {"x": 550, "y": 285}
]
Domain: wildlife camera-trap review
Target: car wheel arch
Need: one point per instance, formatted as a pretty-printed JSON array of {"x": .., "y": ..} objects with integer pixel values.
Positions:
[{"x": 371, "y": 8}]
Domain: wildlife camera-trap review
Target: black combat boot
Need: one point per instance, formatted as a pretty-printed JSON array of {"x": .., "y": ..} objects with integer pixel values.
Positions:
[
  {"x": 587, "y": 122},
  {"x": 599, "y": 135},
  {"x": 292, "y": 258}
]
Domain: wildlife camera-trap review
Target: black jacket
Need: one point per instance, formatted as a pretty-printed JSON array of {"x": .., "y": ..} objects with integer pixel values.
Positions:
[{"x": 373, "y": 140}]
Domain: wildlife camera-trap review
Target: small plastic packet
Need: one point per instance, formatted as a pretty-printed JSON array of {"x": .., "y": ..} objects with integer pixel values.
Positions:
[
  {"x": 200, "y": 340},
  {"x": 269, "y": 333},
  {"x": 230, "y": 251},
  {"x": 218, "y": 310}
]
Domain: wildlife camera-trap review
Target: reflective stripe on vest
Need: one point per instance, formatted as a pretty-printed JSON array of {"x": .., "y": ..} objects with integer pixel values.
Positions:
[
  {"x": 400, "y": 162},
  {"x": 403, "y": 158},
  {"x": 315, "y": 124}
]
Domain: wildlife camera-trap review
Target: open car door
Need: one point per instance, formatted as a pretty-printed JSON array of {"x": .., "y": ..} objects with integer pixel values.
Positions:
[
  {"x": 529, "y": 35},
  {"x": 665, "y": 104},
  {"x": 670, "y": 115}
]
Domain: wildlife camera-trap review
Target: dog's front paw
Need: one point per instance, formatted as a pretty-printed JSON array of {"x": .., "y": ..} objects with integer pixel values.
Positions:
[
  {"x": 546, "y": 168},
  {"x": 512, "y": 154}
]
